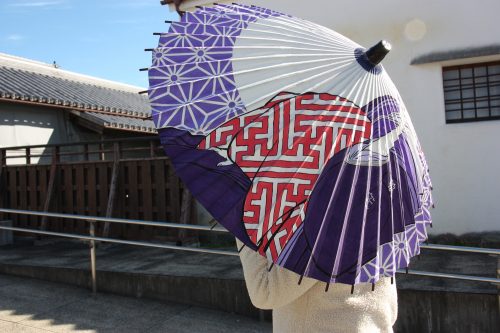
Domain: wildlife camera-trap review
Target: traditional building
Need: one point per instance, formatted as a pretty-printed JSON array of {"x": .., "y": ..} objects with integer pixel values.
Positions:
[{"x": 42, "y": 104}]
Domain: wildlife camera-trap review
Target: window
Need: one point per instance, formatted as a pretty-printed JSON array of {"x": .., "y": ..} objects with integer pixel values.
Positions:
[{"x": 472, "y": 92}]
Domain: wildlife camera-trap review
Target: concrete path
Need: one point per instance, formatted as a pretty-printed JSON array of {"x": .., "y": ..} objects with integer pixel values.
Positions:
[{"x": 28, "y": 305}]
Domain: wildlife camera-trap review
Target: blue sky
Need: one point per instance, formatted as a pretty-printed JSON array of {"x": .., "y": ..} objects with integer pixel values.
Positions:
[{"x": 103, "y": 38}]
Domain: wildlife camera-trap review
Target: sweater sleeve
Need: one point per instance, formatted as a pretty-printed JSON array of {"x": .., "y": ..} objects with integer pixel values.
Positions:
[{"x": 270, "y": 289}]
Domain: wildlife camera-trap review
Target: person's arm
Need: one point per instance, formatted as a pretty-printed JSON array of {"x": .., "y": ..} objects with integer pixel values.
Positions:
[{"x": 270, "y": 289}]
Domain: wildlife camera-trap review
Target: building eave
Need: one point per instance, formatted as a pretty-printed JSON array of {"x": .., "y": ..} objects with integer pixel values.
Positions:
[
  {"x": 470, "y": 52},
  {"x": 43, "y": 101},
  {"x": 86, "y": 119}
]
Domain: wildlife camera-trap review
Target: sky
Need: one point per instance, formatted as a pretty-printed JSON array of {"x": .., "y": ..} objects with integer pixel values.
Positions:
[{"x": 102, "y": 38}]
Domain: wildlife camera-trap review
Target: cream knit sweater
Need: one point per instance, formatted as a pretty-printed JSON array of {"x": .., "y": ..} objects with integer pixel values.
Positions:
[{"x": 308, "y": 308}]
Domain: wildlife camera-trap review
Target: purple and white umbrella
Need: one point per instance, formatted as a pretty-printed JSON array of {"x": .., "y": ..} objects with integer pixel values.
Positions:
[{"x": 294, "y": 138}]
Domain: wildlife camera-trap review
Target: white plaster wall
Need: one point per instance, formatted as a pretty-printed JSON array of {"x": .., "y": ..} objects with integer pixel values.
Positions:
[
  {"x": 464, "y": 159},
  {"x": 23, "y": 126},
  {"x": 26, "y": 125}
]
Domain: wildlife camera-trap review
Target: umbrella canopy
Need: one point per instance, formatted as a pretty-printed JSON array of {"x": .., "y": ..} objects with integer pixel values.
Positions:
[{"x": 294, "y": 138}]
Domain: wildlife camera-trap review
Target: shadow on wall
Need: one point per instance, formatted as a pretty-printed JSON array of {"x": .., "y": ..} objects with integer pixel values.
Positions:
[{"x": 25, "y": 125}]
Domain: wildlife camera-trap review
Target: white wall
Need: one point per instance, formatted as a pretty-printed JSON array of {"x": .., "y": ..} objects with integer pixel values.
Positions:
[
  {"x": 26, "y": 125},
  {"x": 23, "y": 126},
  {"x": 464, "y": 159}
]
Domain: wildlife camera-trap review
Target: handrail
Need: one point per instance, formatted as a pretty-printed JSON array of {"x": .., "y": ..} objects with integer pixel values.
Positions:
[
  {"x": 230, "y": 253},
  {"x": 82, "y": 143},
  {"x": 451, "y": 276},
  {"x": 122, "y": 241},
  {"x": 218, "y": 229},
  {"x": 150, "y": 145},
  {"x": 460, "y": 249},
  {"x": 70, "y": 153},
  {"x": 92, "y": 239},
  {"x": 114, "y": 220}
]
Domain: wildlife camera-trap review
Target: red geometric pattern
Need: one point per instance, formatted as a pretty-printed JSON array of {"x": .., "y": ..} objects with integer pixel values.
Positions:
[{"x": 283, "y": 148}]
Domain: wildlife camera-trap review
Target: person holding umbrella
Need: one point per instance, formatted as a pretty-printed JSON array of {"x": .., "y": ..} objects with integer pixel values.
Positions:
[{"x": 296, "y": 140}]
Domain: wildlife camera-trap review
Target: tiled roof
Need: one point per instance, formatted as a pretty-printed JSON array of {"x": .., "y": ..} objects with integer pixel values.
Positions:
[
  {"x": 124, "y": 123},
  {"x": 116, "y": 105}
]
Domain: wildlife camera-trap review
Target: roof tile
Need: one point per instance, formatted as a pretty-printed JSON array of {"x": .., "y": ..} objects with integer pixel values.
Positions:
[{"x": 119, "y": 108}]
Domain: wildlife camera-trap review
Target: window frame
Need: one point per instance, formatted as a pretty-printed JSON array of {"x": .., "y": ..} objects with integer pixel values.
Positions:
[{"x": 473, "y": 100}]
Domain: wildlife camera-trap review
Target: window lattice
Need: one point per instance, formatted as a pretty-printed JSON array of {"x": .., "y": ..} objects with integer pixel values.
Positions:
[{"x": 472, "y": 92}]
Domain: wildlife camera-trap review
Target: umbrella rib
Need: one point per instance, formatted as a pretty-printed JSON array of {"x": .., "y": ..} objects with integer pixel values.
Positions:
[
  {"x": 407, "y": 245},
  {"x": 265, "y": 97},
  {"x": 398, "y": 176},
  {"x": 328, "y": 45},
  {"x": 351, "y": 194},
  {"x": 367, "y": 192},
  {"x": 288, "y": 24},
  {"x": 265, "y": 68},
  {"x": 378, "y": 142},
  {"x": 309, "y": 28},
  {"x": 295, "y": 83},
  {"x": 296, "y": 26},
  {"x": 284, "y": 55},
  {"x": 302, "y": 34},
  {"x": 313, "y": 249}
]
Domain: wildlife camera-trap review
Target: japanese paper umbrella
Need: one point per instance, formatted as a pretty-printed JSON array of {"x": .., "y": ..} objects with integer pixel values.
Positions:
[{"x": 294, "y": 138}]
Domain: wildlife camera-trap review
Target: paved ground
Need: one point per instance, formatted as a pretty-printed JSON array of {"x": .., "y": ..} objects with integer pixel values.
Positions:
[
  {"x": 62, "y": 253},
  {"x": 28, "y": 306}
]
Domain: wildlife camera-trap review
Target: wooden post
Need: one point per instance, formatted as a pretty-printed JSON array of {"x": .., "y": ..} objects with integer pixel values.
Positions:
[
  {"x": 3, "y": 163},
  {"x": 28, "y": 156},
  {"x": 112, "y": 187},
  {"x": 50, "y": 187},
  {"x": 86, "y": 152},
  {"x": 92, "y": 258},
  {"x": 152, "y": 149},
  {"x": 186, "y": 207},
  {"x": 174, "y": 186},
  {"x": 102, "y": 155},
  {"x": 3, "y": 157}
]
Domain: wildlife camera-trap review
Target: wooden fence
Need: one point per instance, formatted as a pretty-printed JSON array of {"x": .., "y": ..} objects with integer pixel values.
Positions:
[{"x": 128, "y": 179}]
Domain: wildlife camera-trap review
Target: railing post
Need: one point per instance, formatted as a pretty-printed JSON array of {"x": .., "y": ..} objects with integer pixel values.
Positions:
[
  {"x": 51, "y": 185},
  {"x": 86, "y": 152},
  {"x": 28, "y": 156},
  {"x": 112, "y": 186},
  {"x": 152, "y": 148},
  {"x": 55, "y": 154},
  {"x": 3, "y": 157},
  {"x": 3, "y": 164},
  {"x": 102, "y": 154},
  {"x": 92, "y": 257},
  {"x": 186, "y": 207}
]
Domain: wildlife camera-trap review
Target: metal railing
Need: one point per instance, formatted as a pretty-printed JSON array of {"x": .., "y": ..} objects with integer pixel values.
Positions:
[
  {"x": 92, "y": 239},
  {"x": 97, "y": 150}
]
